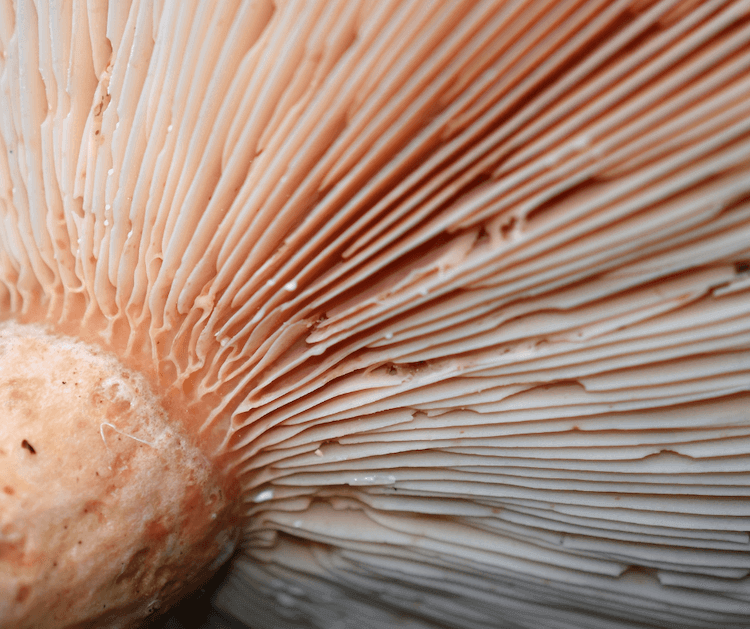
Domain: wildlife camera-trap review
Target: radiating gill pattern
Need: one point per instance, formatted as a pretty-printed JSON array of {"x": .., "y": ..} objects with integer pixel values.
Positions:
[{"x": 463, "y": 287}]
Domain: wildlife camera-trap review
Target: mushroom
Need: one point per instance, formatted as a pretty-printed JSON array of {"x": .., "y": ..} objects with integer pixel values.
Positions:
[{"x": 439, "y": 311}]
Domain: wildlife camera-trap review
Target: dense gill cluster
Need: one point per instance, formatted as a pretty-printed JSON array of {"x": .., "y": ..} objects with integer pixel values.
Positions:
[{"x": 463, "y": 288}]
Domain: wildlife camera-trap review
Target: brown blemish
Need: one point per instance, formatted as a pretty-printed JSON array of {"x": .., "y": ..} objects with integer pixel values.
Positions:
[
  {"x": 28, "y": 446},
  {"x": 23, "y": 593},
  {"x": 12, "y": 552},
  {"x": 134, "y": 566},
  {"x": 94, "y": 507},
  {"x": 156, "y": 531},
  {"x": 507, "y": 227},
  {"x": 9, "y": 490}
]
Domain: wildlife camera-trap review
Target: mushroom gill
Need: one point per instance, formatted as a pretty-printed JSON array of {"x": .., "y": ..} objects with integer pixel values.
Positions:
[{"x": 443, "y": 305}]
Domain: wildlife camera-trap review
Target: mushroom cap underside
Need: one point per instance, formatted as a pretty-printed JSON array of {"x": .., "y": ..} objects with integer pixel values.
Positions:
[{"x": 458, "y": 292}]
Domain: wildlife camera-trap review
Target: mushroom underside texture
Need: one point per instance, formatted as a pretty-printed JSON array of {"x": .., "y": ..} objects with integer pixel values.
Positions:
[{"x": 455, "y": 295}]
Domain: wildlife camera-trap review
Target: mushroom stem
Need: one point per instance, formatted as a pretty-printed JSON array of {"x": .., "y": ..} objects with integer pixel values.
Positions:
[{"x": 106, "y": 510}]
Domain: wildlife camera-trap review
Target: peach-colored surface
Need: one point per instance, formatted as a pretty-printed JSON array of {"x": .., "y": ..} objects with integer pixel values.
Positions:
[{"x": 106, "y": 512}]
